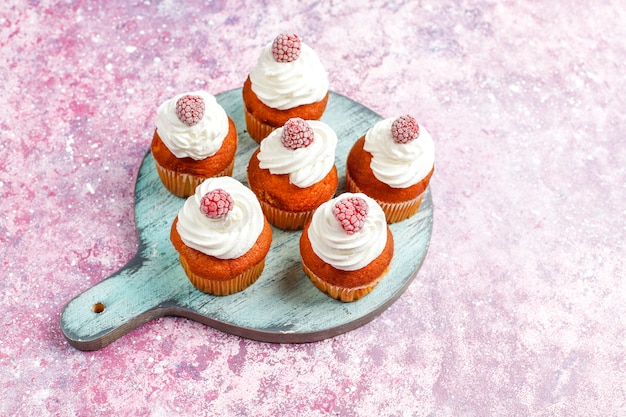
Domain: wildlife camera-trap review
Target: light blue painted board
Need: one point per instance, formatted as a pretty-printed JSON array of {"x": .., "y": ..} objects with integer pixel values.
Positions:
[{"x": 283, "y": 306}]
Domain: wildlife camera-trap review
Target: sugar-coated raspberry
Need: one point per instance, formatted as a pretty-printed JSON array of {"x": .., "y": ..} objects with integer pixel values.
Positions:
[
  {"x": 286, "y": 47},
  {"x": 216, "y": 204},
  {"x": 405, "y": 129},
  {"x": 297, "y": 134},
  {"x": 351, "y": 212},
  {"x": 190, "y": 109}
]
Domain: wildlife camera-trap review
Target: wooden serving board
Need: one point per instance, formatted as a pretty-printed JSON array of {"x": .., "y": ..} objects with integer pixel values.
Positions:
[{"x": 283, "y": 306}]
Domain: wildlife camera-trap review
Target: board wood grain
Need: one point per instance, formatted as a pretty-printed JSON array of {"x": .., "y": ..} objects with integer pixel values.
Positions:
[{"x": 283, "y": 306}]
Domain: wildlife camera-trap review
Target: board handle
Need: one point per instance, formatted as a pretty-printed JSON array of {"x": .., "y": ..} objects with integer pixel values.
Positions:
[{"x": 120, "y": 303}]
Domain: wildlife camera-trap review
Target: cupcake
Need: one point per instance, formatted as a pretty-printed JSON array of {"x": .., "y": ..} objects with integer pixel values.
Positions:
[
  {"x": 293, "y": 172},
  {"x": 288, "y": 81},
  {"x": 194, "y": 139},
  {"x": 393, "y": 164},
  {"x": 347, "y": 247},
  {"x": 222, "y": 236}
]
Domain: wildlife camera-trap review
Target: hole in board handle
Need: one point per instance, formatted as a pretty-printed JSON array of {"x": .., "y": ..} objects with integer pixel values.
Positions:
[{"x": 98, "y": 308}]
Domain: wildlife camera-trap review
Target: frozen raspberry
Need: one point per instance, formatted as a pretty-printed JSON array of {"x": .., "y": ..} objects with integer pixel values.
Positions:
[
  {"x": 350, "y": 212},
  {"x": 286, "y": 47},
  {"x": 404, "y": 129},
  {"x": 297, "y": 134},
  {"x": 190, "y": 109},
  {"x": 216, "y": 204}
]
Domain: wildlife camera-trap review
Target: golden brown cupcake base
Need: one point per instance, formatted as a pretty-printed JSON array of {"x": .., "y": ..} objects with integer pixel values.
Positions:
[
  {"x": 344, "y": 285},
  {"x": 256, "y": 129},
  {"x": 397, "y": 203},
  {"x": 181, "y": 175},
  {"x": 285, "y": 205},
  {"x": 221, "y": 288},
  {"x": 347, "y": 295},
  {"x": 286, "y": 220},
  {"x": 394, "y": 212},
  {"x": 182, "y": 184},
  {"x": 223, "y": 276},
  {"x": 261, "y": 119}
]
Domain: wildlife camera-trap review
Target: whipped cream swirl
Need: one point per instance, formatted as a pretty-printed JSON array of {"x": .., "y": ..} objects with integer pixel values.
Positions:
[
  {"x": 285, "y": 85},
  {"x": 199, "y": 141},
  {"x": 399, "y": 165},
  {"x": 228, "y": 237},
  {"x": 341, "y": 250},
  {"x": 305, "y": 166}
]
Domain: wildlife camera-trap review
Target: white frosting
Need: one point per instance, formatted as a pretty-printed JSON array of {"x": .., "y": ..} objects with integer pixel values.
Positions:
[
  {"x": 399, "y": 165},
  {"x": 228, "y": 237},
  {"x": 285, "y": 85},
  {"x": 341, "y": 250},
  {"x": 305, "y": 166},
  {"x": 199, "y": 141}
]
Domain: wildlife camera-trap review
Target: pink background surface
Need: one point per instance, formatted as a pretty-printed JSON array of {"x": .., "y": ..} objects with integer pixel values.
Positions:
[{"x": 520, "y": 306}]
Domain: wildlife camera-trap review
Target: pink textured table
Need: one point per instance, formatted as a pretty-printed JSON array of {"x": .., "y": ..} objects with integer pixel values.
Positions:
[{"x": 520, "y": 306}]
